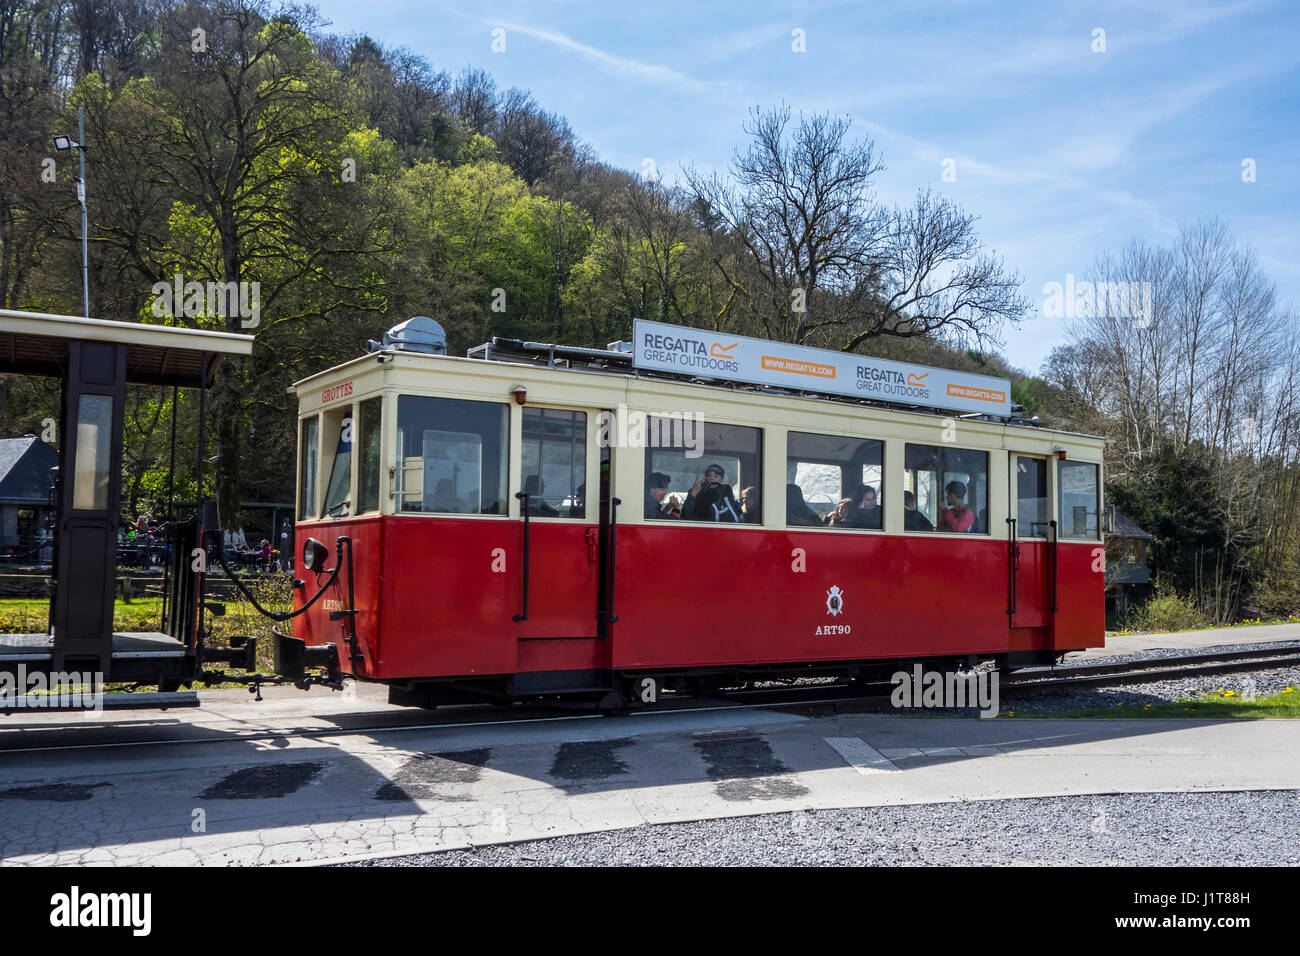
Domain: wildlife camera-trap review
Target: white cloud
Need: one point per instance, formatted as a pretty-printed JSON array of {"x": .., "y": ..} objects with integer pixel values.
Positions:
[{"x": 621, "y": 65}]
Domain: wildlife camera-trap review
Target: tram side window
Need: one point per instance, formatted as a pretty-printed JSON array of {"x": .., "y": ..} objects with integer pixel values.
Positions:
[
  {"x": 453, "y": 455},
  {"x": 368, "y": 450},
  {"x": 336, "y": 494},
  {"x": 307, "y": 457},
  {"x": 833, "y": 480},
  {"x": 945, "y": 489},
  {"x": 555, "y": 462},
  {"x": 709, "y": 468},
  {"x": 1078, "y": 499}
]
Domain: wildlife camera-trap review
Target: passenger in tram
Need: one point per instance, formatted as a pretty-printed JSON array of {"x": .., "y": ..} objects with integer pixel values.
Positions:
[
  {"x": 710, "y": 499},
  {"x": 956, "y": 517},
  {"x": 578, "y": 503},
  {"x": 859, "y": 510},
  {"x": 656, "y": 490},
  {"x": 533, "y": 487},
  {"x": 797, "y": 511},
  {"x": 845, "y": 514},
  {"x": 913, "y": 520},
  {"x": 869, "y": 511},
  {"x": 750, "y": 506}
]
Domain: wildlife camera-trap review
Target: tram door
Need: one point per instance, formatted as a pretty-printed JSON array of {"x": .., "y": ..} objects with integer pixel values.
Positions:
[
  {"x": 561, "y": 493},
  {"x": 1028, "y": 544}
]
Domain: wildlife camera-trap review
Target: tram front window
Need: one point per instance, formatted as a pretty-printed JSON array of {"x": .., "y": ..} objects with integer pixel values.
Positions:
[
  {"x": 307, "y": 462},
  {"x": 1078, "y": 499},
  {"x": 368, "y": 451},
  {"x": 452, "y": 455},
  {"x": 337, "y": 504}
]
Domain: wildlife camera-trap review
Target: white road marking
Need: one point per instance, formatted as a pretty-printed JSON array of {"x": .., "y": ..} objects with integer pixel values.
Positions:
[
  {"x": 860, "y": 755},
  {"x": 903, "y": 752}
]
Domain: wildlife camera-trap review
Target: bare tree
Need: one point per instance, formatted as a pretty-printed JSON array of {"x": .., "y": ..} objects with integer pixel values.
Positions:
[
  {"x": 825, "y": 263},
  {"x": 474, "y": 98},
  {"x": 1198, "y": 389},
  {"x": 1128, "y": 320},
  {"x": 933, "y": 278},
  {"x": 532, "y": 141},
  {"x": 799, "y": 201}
]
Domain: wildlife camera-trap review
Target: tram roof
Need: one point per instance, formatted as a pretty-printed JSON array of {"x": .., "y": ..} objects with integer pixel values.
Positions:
[
  {"x": 505, "y": 361},
  {"x": 36, "y": 343}
]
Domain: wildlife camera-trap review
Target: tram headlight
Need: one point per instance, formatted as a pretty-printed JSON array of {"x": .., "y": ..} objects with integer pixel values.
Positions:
[{"x": 314, "y": 555}]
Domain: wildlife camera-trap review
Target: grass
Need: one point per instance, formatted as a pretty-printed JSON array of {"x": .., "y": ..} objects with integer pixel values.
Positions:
[
  {"x": 31, "y": 615},
  {"x": 1221, "y": 705},
  {"x": 1249, "y": 622}
]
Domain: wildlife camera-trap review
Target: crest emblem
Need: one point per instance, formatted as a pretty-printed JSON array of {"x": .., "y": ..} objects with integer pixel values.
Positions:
[{"x": 834, "y": 601}]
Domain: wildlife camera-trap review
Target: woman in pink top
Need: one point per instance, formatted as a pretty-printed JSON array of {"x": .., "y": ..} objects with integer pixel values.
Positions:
[{"x": 956, "y": 517}]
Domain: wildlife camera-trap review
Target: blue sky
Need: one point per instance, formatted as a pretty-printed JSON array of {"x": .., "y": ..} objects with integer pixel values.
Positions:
[{"x": 1061, "y": 152}]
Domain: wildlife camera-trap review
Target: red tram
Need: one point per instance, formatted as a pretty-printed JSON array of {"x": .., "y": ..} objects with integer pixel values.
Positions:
[{"x": 504, "y": 527}]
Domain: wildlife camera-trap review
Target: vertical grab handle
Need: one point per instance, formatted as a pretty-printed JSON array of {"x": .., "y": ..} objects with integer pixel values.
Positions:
[
  {"x": 350, "y": 635},
  {"x": 610, "y": 616},
  {"x": 1011, "y": 564},
  {"x": 1055, "y": 553},
  {"x": 524, "y": 496}
]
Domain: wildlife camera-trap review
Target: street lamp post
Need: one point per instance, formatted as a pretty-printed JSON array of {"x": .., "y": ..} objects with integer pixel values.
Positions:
[{"x": 63, "y": 143}]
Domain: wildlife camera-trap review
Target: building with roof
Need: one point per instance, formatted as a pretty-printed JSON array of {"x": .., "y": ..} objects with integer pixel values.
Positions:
[
  {"x": 26, "y": 479},
  {"x": 1127, "y": 550}
]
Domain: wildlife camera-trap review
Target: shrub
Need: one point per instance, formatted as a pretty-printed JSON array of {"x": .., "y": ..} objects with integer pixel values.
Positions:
[
  {"x": 1278, "y": 595},
  {"x": 1169, "y": 611}
]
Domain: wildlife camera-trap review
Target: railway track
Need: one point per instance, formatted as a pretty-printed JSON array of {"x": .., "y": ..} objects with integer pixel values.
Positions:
[
  {"x": 827, "y": 698},
  {"x": 1150, "y": 669}
]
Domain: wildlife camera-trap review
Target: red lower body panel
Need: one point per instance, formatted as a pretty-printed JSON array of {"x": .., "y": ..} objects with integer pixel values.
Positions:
[{"x": 439, "y": 597}]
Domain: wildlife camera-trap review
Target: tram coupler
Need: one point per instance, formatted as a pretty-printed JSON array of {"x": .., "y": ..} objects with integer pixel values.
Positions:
[
  {"x": 254, "y": 682},
  {"x": 241, "y": 653},
  {"x": 293, "y": 656}
]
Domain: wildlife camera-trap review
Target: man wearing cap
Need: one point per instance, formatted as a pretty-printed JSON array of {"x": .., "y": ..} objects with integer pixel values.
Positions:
[
  {"x": 710, "y": 499},
  {"x": 655, "y": 492}
]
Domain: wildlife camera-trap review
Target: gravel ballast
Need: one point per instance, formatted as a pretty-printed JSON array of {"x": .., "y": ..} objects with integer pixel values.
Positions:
[
  {"x": 1156, "y": 653},
  {"x": 1243, "y": 683},
  {"x": 1177, "y": 829}
]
